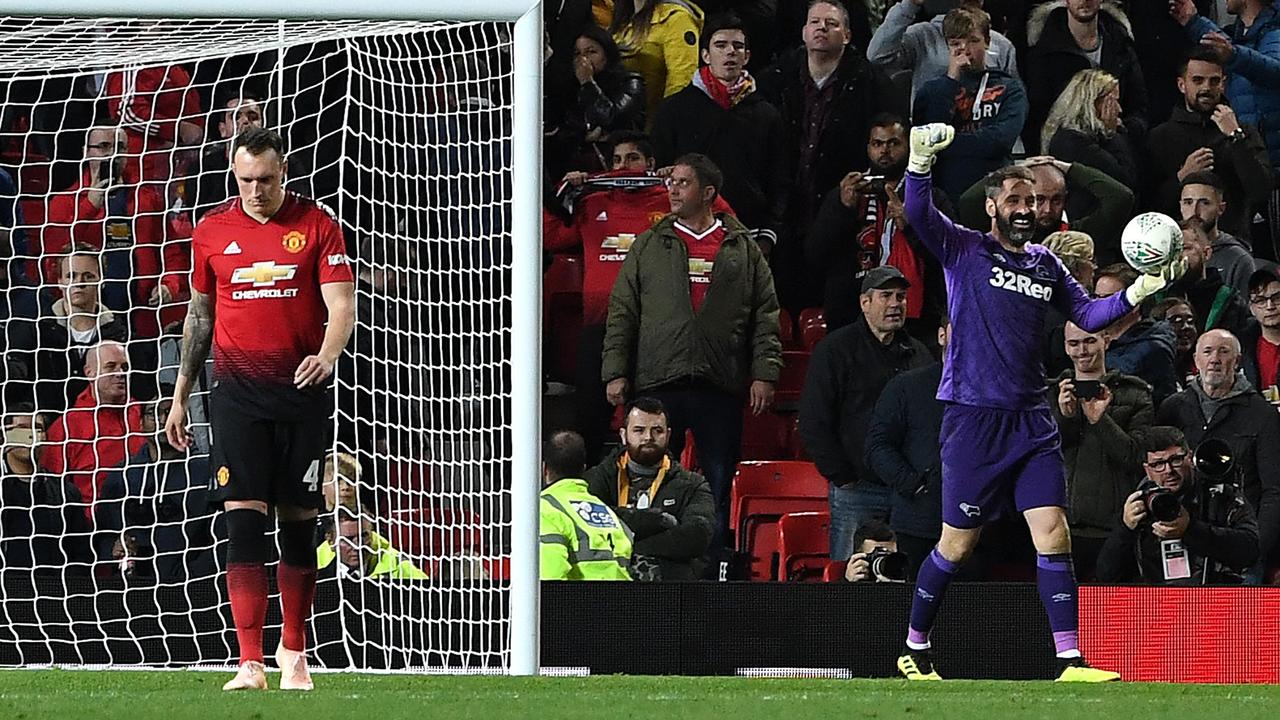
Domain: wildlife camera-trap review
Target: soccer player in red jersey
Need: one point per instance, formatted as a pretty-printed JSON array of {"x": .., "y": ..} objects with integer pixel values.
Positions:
[{"x": 269, "y": 268}]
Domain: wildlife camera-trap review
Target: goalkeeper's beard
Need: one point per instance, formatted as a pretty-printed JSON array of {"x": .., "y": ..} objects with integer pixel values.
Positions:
[{"x": 1020, "y": 234}]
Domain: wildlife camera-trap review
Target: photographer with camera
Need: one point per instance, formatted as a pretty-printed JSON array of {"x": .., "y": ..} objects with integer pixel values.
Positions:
[
  {"x": 876, "y": 557},
  {"x": 861, "y": 226},
  {"x": 1222, "y": 404},
  {"x": 1099, "y": 414},
  {"x": 1187, "y": 523}
]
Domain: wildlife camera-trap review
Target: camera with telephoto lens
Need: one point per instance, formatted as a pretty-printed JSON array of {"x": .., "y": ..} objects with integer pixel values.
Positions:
[
  {"x": 1214, "y": 462},
  {"x": 887, "y": 565},
  {"x": 1162, "y": 505}
]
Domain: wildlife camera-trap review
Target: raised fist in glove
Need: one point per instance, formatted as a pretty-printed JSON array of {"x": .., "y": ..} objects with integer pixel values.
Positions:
[
  {"x": 1147, "y": 285},
  {"x": 926, "y": 142}
]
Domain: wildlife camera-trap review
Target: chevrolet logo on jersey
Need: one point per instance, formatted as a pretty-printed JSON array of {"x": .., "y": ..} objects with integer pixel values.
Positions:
[
  {"x": 699, "y": 269},
  {"x": 264, "y": 275},
  {"x": 620, "y": 244}
]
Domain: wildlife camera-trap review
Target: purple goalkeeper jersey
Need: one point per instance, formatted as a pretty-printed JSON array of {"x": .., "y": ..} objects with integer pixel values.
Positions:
[{"x": 997, "y": 300}]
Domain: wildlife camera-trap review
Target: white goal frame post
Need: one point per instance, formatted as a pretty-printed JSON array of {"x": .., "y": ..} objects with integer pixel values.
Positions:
[{"x": 526, "y": 232}]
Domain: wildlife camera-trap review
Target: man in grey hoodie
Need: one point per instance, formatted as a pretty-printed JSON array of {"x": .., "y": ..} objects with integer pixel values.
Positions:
[
  {"x": 1222, "y": 404},
  {"x": 1202, "y": 196},
  {"x": 901, "y": 43}
]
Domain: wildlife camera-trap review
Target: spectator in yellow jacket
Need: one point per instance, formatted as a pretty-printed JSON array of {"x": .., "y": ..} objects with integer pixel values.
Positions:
[{"x": 659, "y": 40}]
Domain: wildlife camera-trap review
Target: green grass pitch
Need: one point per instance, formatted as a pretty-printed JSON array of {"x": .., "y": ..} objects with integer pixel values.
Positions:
[{"x": 99, "y": 695}]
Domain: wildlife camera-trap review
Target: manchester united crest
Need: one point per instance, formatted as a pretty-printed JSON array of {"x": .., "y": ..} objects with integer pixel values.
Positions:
[
  {"x": 224, "y": 476},
  {"x": 654, "y": 217},
  {"x": 294, "y": 241}
]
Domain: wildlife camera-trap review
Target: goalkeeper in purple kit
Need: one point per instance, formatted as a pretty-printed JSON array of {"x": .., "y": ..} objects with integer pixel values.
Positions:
[{"x": 999, "y": 440}]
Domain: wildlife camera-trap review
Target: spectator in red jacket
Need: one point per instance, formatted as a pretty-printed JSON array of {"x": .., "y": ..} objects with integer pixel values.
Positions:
[
  {"x": 105, "y": 212},
  {"x": 158, "y": 108},
  {"x": 101, "y": 430}
]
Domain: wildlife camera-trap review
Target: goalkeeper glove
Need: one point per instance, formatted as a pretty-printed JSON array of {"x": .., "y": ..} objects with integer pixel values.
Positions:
[
  {"x": 926, "y": 142},
  {"x": 1147, "y": 285}
]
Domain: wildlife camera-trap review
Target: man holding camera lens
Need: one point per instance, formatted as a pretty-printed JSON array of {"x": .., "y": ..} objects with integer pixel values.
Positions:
[
  {"x": 1182, "y": 526},
  {"x": 876, "y": 557},
  {"x": 1222, "y": 404}
]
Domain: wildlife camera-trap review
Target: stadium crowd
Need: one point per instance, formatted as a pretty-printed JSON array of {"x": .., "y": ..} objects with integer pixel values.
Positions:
[{"x": 728, "y": 263}]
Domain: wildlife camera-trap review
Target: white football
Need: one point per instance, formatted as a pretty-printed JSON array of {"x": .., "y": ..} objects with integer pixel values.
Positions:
[{"x": 1150, "y": 241}]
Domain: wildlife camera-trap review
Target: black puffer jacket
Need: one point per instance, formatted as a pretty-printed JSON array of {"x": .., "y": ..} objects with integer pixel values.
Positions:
[
  {"x": 1251, "y": 427},
  {"x": 1054, "y": 58}
]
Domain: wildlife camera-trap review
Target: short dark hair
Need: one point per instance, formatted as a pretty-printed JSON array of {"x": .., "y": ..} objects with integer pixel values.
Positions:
[
  {"x": 635, "y": 137},
  {"x": 833, "y": 3},
  {"x": 1162, "y": 437},
  {"x": 1203, "y": 177},
  {"x": 1201, "y": 53},
  {"x": 707, "y": 172},
  {"x": 645, "y": 404},
  {"x": 257, "y": 141},
  {"x": 1260, "y": 279},
  {"x": 993, "y": 183},
  {"x": 961, "y": 22},
  {"x": 1120, "y": 271},
  {"x": 888, "y": 119},
  {"x": 1162, "y": 308},
  {"x": 875, "y": 530},
  {"x": 566, "y": 454},
  {"x": 722, "y": 21},
  {"x": 601, "y": 37}
]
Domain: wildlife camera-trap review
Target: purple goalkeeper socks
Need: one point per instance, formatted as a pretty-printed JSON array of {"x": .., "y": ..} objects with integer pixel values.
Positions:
[
  {"x": 935, "y": 575},
  {"x": 1056, "y": 577}
]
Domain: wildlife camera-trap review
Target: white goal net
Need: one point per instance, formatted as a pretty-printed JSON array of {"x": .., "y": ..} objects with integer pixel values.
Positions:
[{"x": 113, "y": 142}]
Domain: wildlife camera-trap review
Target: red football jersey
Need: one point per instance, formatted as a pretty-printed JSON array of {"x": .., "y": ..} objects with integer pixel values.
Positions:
[
  {"x": 269, "y": 313},
  {"x": 702, "y": 255}
]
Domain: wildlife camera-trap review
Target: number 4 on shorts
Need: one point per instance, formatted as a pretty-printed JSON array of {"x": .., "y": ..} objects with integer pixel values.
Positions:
[{"x": 312, "y": 478}]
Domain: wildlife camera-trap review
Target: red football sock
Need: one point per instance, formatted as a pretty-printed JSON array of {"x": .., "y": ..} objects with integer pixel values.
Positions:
[
  {"x": 247, "y": 587},
  {"x": 297, "y": 590}
]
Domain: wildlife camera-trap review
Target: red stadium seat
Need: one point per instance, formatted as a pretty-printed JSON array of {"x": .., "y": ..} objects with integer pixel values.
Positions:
[
  {"x": 811, "y": 316},
  {"x": 803, "y": 546},
  {"x": 835, "y": 571},
  {"x": 765, "y": 436},
  {"x": 433, "y": 533},
  {"x": 764, "y": 491},
  {"x": 811, "y": 334}
]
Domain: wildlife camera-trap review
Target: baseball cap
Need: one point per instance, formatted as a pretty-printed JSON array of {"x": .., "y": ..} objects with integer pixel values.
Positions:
[{"x": 882, "y": 277}]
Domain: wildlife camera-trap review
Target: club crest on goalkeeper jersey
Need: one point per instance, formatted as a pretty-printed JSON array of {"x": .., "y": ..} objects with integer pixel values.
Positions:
[{"x": 265, "y": 280}]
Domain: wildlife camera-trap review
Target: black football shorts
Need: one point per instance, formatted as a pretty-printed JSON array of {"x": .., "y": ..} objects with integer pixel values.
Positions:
[{"x": 280, "y": 462}]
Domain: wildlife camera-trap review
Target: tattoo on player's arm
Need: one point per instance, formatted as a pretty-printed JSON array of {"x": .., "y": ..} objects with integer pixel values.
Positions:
[{"x": 197, "y": 334}]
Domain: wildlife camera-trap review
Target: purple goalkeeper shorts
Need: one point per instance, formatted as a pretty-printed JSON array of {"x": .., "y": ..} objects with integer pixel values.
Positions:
[{"x": 990, "y": 454}]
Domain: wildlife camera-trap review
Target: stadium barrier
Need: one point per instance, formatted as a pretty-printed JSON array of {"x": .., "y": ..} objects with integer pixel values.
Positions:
[{"x": 986, "y": 630}]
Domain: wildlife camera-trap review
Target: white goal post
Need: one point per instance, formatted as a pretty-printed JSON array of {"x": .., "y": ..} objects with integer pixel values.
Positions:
[{"x": 523, "y": 362}]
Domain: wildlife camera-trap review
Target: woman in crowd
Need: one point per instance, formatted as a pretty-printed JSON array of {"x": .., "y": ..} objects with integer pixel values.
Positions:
[
  {"x": 1084, "y": 125},
  {"x": 659, "y": 40},
  {"x": 609, "y": 98}
]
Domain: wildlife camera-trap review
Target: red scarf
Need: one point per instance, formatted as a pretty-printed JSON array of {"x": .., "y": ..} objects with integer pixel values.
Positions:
[{"x": 726, "y": 96}]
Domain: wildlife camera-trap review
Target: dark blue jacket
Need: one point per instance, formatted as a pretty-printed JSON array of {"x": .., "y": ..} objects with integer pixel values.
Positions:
[
  {"x": 985, "y": 130},
  {"x": 1146, "y": 351},
  {"x": 1253, "y": 73},
  {"x": 902, "y": 448}
]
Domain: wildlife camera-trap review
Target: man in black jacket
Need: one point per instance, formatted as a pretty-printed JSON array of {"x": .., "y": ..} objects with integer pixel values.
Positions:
[
  {"x": 827, "y": 94},
  {"x": 1212, "y": 541},
  {"x": 847, "y": 372},
  {"x": 903, "y": 450},
  {"x": 1204, "y": 134},
  {"x": 861, "y": 226},
  {"x": 668, "y": 508},
  {"x": 721, "y": 115},
  {"x": 1222, "y": 404},
  {"x": 1217, "y": 304}
]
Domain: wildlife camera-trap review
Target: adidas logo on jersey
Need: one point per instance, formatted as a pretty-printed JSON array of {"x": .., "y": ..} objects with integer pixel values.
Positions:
[
  {"x": 232, "y": 249},
  {"x": 603, "y": 216},
  {"x": 1019, "y": 283}
]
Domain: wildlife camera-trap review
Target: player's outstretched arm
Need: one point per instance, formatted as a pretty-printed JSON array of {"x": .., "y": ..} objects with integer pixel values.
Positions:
[
  {"x": 197, "y": 338},
  {"x": 340, "y": 300},
  {"x": 934, "y": 229}
]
